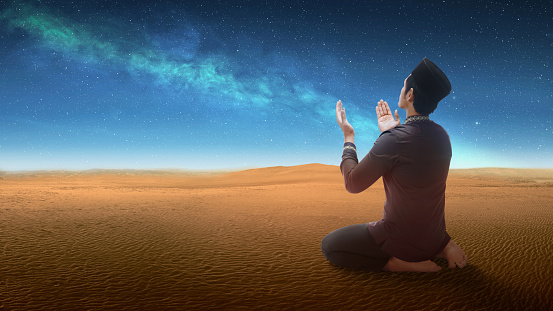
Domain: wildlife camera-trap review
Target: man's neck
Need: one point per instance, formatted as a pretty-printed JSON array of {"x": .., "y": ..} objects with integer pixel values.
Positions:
[{"x": 411, "y": 112}]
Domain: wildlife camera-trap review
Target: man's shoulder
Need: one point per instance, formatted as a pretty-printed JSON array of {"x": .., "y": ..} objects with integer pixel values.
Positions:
[
  {"x": 407, "y": 131},
  {"x": 417, "y": 127},
  {"x": 390, "y": 134}
]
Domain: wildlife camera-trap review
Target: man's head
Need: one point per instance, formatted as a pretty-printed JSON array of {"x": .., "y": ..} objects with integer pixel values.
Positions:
[{"x": 424, "y": 88}]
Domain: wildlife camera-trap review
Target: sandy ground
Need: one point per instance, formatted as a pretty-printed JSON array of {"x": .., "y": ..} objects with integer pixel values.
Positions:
[{"x": 251, "y": 239}]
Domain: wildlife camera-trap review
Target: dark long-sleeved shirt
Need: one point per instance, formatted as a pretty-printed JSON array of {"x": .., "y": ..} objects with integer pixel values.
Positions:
[{"x": 413, "y": 160}]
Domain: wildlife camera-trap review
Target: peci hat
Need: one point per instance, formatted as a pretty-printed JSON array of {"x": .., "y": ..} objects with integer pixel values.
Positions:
[{"x": 431, "y": 80}]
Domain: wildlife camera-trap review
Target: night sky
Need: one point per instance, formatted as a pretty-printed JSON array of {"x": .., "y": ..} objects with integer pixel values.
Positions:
[{"x": 242, "y": 84}]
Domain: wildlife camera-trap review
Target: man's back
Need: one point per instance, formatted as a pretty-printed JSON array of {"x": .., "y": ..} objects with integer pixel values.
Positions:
[{"x": 413, "y": 224}]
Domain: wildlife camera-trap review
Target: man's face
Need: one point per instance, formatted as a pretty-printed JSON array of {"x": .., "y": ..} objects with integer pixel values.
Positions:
[{"x": 402, "y": 100}]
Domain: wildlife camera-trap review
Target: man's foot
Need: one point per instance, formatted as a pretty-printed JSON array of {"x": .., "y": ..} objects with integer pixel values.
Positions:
[
  {"x": 454, "y": 255},
  {"x": 398, "y": 265}
]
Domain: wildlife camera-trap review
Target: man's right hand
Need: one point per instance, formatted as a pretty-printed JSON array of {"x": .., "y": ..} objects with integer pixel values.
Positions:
[
  {"x": 385, "y": 119},
  {"x": 349, "y": 133}
]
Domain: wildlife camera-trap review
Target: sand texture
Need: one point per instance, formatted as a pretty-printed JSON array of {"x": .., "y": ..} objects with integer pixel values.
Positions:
[{"x": 131, "y": 240}]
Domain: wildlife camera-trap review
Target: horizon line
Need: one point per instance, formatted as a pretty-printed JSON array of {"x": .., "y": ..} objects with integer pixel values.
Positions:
[{"x": 220, "y": 170}]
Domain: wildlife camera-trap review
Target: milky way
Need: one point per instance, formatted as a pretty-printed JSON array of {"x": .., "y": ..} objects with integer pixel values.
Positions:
[{"x": 184, "y": 85}]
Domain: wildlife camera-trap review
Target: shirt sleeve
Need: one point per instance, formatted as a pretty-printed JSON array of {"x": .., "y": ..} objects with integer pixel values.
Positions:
[{"x": 382, "y": 157}]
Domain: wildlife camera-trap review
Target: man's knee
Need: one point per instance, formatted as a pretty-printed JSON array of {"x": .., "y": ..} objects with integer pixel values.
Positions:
[
  {"x": 336, "y": 258},
  {"x": 326, "y": 246}
]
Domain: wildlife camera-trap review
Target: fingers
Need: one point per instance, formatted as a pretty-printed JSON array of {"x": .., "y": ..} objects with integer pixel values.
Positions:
[
  {"x": 382, "y": 109},
  {"x": 379, "y": 111},
  {"x": 344, "y": 119},
  {"x": 339, "y": 112},
  {"x": 397, "y": 115}
]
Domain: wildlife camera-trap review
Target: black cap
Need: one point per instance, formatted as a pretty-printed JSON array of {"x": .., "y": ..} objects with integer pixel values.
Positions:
[{"x": 431, "y": 80}]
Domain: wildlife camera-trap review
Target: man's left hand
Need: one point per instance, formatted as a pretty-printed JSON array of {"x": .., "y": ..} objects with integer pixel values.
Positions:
[{"x": 385, "y": 119}]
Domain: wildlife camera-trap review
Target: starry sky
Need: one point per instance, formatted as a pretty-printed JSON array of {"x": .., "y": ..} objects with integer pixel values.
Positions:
[{"x": 205, "y": 85}]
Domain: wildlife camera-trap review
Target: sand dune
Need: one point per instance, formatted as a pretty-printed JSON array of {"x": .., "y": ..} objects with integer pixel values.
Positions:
[{"x": 251, "y": 239}]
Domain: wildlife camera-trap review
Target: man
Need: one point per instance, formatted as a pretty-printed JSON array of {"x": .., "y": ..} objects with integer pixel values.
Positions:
[{"x": 413, "y": 160}]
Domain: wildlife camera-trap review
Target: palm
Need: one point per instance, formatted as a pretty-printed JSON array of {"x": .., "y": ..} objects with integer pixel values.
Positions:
[
  {"x": 386, "y": 122},
  {"x": 385, "y": 119},
  {"x": 343, "y": 121}
]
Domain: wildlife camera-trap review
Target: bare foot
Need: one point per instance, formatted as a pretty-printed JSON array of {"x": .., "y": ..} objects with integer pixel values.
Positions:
[
  {"x": 398, "y": 265},
  {"x": 454, "y": 255}
]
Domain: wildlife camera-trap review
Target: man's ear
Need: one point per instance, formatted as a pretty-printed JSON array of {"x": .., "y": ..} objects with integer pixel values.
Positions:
[{"x": 410, "y": 96}]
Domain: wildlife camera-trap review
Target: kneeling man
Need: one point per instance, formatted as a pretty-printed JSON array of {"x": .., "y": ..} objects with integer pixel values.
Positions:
[{"x": 413, "y": 160}]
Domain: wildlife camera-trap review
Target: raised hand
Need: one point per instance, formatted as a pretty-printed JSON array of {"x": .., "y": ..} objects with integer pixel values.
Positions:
[
  {"x": 349, "y": 133},
  {"x": 385, "y": 119}
]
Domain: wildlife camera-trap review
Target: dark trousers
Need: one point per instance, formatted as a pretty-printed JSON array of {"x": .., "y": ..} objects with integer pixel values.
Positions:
[{"x": 354, "y": 247}]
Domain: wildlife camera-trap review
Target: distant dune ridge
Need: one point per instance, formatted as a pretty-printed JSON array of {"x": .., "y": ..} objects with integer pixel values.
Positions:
[{"x": 130, "y": 239}]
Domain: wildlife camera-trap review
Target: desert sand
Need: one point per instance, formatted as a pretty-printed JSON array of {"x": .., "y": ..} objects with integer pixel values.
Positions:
[{"x": 160, "y": 240}]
